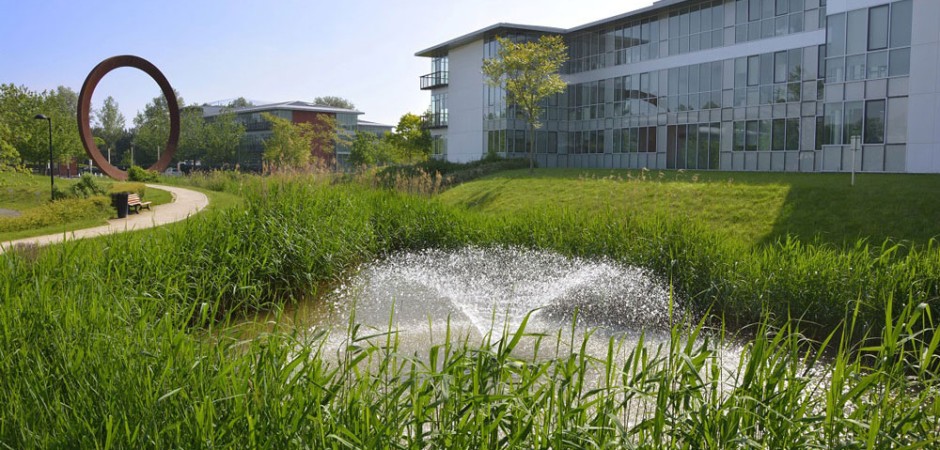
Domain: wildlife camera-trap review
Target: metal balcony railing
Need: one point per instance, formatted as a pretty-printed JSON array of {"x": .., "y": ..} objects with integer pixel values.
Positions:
[
  {"x": 437, "y": 120},
  {"x": 434, "y": 80}
]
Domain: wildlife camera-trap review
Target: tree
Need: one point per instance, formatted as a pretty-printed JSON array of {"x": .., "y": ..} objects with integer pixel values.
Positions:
[
  {"x": 335, "y": 102},
  {"x": 153, "y": 130},
  {"x": 110, "y": 124},
  {"x": 528, "y": 73},
  {"x": 223, "y": 134},
  {"x": 412, "y": 138},
  {"x": 240, "y": 102},
  {"x": 192, "y": 142},
  {"x": 289, "y": 144},
  {"x": 298, "y": 145},
  {"x": 370, "y": 150}
]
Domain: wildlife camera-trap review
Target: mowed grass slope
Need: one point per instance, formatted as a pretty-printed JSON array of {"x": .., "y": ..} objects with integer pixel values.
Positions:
[{"x": 750, "y": 208}]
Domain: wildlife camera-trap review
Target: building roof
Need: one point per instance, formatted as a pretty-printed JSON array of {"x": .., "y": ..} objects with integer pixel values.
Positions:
[
  {"x": 210, "y": 111},
  {"x": 442, "y": 49},
  {"x": 374, "y": 124},
  {"x": 655, "y": 6}
]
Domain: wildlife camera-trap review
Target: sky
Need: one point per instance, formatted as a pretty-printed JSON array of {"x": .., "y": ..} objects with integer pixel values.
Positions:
[{"x": 266, "y": 51}]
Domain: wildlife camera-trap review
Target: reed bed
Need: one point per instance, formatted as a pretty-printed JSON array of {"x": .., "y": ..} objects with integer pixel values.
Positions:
[{"x": 129, "y": 341}]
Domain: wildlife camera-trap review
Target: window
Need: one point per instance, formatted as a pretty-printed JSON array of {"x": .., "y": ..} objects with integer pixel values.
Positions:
[
  {"x": 896, "y": 126},
  {"x": 900, "y": 62},
  {"x": 835, "y": 35},
  {"x": 780, "y": 67},
  {"x": 753, "y": 71},
  {"x": 752, "y": 134},
  {"x": 877, "y": 65},
  {"x": 739, "y": 136},
  {"x": 878, "y": 28},
  {"x": 780, "y": 134},
  {"x": 856, "y": 31},
  {"x": 855, "y": 68},
  {"x": 901, "y": 18},
  {"x": 853, "y": 121},
  {"x": 875, "y": 122},
  {"x": 793, "y": 134},
  {"x": 833, "y": 124}
]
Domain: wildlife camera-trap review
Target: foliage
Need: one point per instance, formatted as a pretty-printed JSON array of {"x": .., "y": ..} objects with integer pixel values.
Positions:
[
  {"x": 412, "y": 138},
  {"x": 23, "y": 136},
  {"x": 433, "y": 175},
  {"x": 240, "y": 102},
  {"x": 153, "y": 130},
  {"x": 214, "y": 141},
  {"x": 369, "y": 150},
  {"x": 334, "y": 101},
  {"x": 528, "y": 73},
  {"x": 87, "y": 186},
  {"x": 96, "y": 327},
  {"x": 63, "y": 210},
  {"x": 223, "y": 135},
  {"x": 111, "y": 124},
  {"x": 299, "y": 145},
  {"x": 139, "y": 174}
]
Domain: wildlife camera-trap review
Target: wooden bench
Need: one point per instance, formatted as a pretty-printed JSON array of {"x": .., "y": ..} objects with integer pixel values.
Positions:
[{"x": 133, "y": 202}]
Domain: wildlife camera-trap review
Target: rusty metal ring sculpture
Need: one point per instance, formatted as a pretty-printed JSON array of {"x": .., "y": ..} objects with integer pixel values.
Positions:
[{"x": 84, "y": 112}]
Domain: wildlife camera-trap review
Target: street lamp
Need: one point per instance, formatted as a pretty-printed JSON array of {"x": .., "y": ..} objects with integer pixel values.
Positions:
[{"x": 51, "y": 178}]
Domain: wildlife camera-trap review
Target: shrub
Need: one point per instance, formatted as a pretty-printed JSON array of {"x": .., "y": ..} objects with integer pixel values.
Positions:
[
  {"x": 87, "y": 186},
  {"x": 58, "y": 212},
  {"x": 140, "y": 174}
]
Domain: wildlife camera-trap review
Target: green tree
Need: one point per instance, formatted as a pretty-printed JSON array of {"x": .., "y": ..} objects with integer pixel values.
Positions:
[
  {"x": 152, "y": 130},
  {"x": 412, "y": 138},
  {"x": 192, "y": 142},
  {"x": 335, "y": 102},
  {"x": 110, "y": 125},
  {"x": 299, "y": 145},
  {"x": 8, "y": 154},
  {"x": 528, "y": 73},
  {"x": 289, "y": 144},
  {"x": 223, "y": 134},
  {"x": 18, "y": 106},
  {"x": 240, "y": 102},
  {"x": 369, "y": 150}
]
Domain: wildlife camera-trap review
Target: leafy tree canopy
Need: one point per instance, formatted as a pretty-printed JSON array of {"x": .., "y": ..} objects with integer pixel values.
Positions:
[
  {"x": 528, "y": 73},
  {"x": 335, "y": 102}
]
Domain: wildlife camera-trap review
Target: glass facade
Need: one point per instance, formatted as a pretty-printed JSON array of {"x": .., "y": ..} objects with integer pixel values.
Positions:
[{"x": 795, "y": 108}]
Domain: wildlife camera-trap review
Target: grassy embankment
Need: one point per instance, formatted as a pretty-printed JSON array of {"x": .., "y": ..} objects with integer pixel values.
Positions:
[
  {"x": 28, "y": 195},
  {"x": 750, "y": 208},
  {"x": 92, "y": 360}
]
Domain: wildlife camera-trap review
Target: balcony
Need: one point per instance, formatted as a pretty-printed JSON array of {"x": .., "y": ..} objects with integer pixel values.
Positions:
[
  {"x": 437, "y": 120},
  {"x": 434, "y": 80}
]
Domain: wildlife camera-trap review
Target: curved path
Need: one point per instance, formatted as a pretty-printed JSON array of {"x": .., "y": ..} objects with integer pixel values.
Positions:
[{"x": 185, "y": 203}]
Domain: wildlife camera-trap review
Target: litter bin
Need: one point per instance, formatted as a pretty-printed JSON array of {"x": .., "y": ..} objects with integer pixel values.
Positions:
[{"x": 119, "y": 201}]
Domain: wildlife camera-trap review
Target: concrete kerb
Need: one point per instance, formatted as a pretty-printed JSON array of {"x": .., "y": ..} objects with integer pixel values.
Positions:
[{"x": 185, "y": 203}]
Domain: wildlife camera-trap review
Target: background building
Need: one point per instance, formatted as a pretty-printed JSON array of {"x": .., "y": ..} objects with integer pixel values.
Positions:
[
  {"x": 251, "y": 149},
  {"x": 770, "y": 85}
]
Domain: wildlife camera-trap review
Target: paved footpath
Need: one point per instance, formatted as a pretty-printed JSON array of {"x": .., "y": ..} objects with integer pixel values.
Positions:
[{"x": 185, "y": 203}]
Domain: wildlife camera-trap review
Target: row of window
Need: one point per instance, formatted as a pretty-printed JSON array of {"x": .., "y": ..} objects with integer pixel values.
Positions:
[
  {"x": 689, "y": 29},
  {"x": 777, "y": 134}
]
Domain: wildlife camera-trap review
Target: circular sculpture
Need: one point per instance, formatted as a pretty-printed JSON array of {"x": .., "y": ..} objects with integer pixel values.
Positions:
[{"x": 84, "y": 111}]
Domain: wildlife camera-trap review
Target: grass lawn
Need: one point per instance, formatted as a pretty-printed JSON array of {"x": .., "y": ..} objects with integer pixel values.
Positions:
[
  {"x": 752, "y": 208},
  {"x": 28, "y": 195}
]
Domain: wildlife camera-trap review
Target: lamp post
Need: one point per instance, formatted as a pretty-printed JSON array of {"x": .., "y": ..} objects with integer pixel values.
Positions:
[{"x": 51, "y": 176}]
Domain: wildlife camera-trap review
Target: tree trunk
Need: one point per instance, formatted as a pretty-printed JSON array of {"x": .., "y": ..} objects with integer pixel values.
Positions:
[{"x": 531, "y": 140}]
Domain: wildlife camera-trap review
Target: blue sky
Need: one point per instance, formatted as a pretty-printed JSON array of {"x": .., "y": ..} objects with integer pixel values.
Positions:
[{"x": 212, "y": 50}]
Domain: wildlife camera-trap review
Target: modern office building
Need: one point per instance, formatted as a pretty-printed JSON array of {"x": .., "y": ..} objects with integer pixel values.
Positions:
[
  {"x": 257, "y": 129},
  {"x": 762, "y": 85}
]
